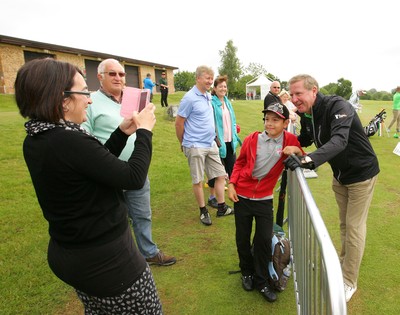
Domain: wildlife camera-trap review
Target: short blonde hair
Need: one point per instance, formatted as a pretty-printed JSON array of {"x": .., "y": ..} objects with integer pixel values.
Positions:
[
  {"x": 283, "y": 92},
  {"x": 309, "y": 81},
  {"x": 203, "y": 69}
]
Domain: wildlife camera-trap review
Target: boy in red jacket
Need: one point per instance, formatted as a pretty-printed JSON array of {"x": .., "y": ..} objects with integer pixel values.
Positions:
[{"x": 251, "y": 187}]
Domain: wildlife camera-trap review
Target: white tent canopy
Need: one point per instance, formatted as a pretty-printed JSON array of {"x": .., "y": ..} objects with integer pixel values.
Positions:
[{"x": 251, "y": 87}]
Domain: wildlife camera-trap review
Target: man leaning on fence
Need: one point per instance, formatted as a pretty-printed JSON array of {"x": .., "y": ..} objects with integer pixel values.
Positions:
[{"x": 331, "y": 123}]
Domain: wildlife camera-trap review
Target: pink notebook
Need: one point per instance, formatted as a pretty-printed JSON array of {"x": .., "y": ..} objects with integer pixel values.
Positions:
[{"x": 133, "y": 99}]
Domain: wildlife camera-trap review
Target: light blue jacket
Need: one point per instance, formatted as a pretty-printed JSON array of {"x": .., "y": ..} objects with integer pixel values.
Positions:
[
  {"x": 148, "y": 84},
  {"x": 219, "y": 126}
]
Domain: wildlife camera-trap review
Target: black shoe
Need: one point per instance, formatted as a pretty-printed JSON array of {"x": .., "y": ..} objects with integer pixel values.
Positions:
[
  {"x": 247, "y": 283},
  {"x": 213, "y": 203},
  {"x": 268, "y": 294},
  {"x": 205, "y": 218},
  {"x": 227, "y": 211}
]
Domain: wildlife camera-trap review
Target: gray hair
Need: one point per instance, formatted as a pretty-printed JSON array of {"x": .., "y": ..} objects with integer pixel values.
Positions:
[{"x": 103, "y": 64}]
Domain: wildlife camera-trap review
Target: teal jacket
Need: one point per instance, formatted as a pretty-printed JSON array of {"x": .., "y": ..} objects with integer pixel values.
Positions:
[{"x": 219, "y": 126}]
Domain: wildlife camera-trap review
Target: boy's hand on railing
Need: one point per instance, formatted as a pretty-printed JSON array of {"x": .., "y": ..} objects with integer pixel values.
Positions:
[
  {"x": 291, "y": 149},
  {"x": 294, "y": 161}
]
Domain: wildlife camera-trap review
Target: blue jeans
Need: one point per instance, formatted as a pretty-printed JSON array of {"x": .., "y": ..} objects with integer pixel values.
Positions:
[{"x": 139, "y": 212}]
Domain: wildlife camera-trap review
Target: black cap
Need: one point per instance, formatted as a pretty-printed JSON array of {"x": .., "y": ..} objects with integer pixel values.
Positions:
[{"x": 279, "y": 109}]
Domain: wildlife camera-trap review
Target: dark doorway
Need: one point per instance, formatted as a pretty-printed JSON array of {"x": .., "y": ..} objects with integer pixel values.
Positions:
[
  {"x": 91, "y": 74},
  {"x": 132, "y": 76},
  {"x": 31, "y": 55}
]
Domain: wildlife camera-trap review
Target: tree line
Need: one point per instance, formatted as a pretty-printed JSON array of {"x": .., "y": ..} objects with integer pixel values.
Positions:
[{"x": 239, "y": 76}]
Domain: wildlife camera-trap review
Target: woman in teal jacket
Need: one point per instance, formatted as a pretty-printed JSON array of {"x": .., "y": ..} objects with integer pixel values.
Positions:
[{"x": 226, "y": 130}]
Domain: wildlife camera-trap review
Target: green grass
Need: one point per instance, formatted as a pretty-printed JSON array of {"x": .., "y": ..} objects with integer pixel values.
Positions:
[{"x": 199, "y": 283}]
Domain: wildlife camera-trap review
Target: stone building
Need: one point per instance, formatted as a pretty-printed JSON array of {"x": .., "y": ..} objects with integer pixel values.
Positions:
[{"x": 14, "y": 52}]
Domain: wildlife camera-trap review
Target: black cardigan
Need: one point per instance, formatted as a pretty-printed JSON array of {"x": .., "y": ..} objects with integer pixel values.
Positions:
[{"x": 79, "y": 182}]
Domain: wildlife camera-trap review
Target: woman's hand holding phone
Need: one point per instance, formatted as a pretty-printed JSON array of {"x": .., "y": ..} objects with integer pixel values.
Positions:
[{"x": 146, "y": 119}]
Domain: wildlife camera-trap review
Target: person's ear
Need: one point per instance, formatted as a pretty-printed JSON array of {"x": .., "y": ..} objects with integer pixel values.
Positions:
[
  {"x": 65, "y": 104},
  {"x": 314, "y": 90},
  {"x": 285, "y": 123}
]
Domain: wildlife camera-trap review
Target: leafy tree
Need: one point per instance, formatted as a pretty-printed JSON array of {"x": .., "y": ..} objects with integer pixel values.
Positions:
[
  {"x": 230, "y": 66},
  {"x": 255, "y": 70},
  {"x": 285, "y": 85},
  {"x": 344, "y": 88},
  {"x": 184, "y": 80},
  {"x": 273, "y": 77},
  {"x": 386, "y": 96},
  {"x": 377, "y": 96},
  {"x": 241, "y": 86},
  {"x": 329, "y": 89},
  {"x": 324, "y": 91}
]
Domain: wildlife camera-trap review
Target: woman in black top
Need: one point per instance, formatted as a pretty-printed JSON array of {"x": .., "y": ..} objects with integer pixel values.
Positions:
[{"x": 79, "y": 183}]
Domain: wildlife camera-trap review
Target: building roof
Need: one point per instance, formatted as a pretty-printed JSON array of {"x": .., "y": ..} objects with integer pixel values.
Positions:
[{"x": 70, "y": 50}]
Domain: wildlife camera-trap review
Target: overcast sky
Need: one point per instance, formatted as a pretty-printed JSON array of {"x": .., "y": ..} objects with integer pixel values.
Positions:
[{"x": 328, "y": 39}]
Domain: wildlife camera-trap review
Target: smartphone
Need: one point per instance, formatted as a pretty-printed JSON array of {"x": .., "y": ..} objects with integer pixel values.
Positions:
[
  {"x": 133, "y": 99},
  {"x": 144, "y": 99}
]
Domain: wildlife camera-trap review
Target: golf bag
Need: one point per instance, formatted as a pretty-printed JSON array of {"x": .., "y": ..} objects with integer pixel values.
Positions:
[
  {"x": 373, "y": 125},
  {"x": 279, "y": 267}
]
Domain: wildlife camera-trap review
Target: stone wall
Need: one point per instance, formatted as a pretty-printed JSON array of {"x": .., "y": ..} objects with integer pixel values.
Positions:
[{"x": 12, "y": 58}]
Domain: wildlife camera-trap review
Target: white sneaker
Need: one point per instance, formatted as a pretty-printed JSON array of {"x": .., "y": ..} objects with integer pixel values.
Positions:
[{"x": 349, "y": 291}]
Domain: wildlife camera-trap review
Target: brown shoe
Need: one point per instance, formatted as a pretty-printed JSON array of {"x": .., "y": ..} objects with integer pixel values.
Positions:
[{"x": 161, "y": 259}]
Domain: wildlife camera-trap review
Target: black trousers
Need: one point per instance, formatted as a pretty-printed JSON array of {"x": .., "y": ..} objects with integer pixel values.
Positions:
[
  {"x": 256, "y": 262},
  {"x": 164, "y": 96}
]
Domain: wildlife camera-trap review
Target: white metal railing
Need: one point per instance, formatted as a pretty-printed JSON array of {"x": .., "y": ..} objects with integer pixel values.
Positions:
[{"x": 317, "y": 273}]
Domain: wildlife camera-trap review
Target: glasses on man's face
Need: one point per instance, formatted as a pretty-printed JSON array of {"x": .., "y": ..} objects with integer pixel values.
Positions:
[
  {"x": 276, "y": 87},
  {"x": 86, "y": 93},
  {"x": 114, "y": 73}
]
